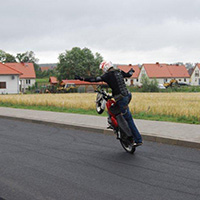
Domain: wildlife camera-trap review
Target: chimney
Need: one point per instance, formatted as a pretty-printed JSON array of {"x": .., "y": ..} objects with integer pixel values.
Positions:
[{"x": 157, "y": 63}]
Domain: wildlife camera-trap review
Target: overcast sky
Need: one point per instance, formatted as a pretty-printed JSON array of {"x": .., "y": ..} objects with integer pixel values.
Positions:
[{"x": 123, "y": 31}]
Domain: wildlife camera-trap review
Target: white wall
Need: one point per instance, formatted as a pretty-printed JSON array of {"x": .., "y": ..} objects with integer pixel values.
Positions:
[
  {"x": 12, "y": 84},
  {"x": 195, "y": 78},
  {"x": 167, "y": 80},
  {"x": 131, "y": 81},
  {"x": 142, "y": 72},
  {"x": 25, "y": 85}
]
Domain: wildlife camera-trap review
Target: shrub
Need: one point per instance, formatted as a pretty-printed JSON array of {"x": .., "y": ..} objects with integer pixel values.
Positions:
[{"x": 149, "y": 86}]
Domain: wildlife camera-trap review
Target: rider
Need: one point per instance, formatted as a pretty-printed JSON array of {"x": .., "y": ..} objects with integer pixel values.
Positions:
[{"x": 115, "y": 79}]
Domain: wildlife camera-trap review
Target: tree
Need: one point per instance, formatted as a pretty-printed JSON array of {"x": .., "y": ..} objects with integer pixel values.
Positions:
[
  {"x": 78, "y": 61},
  {"x": 149, "y": 86},
  {"x": 6, "y": 57},
  {"x": 2, "y": 56},
  {"x": 28, "y": 57},
  {"x": 10, "y": 58},
  {"x": 189, "y": 65}
]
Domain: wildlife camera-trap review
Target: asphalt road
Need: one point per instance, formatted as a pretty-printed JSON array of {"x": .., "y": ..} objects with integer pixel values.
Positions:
[{"x": 43, "y": 162}]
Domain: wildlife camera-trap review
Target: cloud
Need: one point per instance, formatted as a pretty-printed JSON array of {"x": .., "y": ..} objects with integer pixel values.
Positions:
[{"x": 169, "y": 28}]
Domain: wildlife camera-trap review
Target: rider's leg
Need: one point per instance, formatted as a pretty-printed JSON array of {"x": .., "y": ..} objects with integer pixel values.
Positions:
[
  {"x": 123, "y": 104},
  {"x": 136, "y": 134}
]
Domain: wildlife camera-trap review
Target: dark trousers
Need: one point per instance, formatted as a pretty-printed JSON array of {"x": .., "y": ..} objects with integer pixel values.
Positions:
[{"x": 123, "y": 104}]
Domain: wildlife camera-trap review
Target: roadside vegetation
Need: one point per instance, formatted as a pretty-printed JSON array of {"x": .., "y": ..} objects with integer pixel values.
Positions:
[
  {"x": 176, "y": 107},
  {"x": 175, "y": 89}
]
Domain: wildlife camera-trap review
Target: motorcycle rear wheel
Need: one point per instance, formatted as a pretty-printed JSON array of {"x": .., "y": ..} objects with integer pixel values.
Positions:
[{"x": 127, "y": 146}]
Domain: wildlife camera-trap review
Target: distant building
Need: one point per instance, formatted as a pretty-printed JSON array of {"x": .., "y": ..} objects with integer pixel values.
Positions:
[
  {"x": 82, "y": 85},
  {"x": 195, "y": 76},
  {"x": 190, "y": 71},
  {"x": 53, "y": 80},
  {"x": 133, "y": 80},
  {"x": 165, "y": 73},
  {"x": 28, "y": 76},
  {"x": 9, "y": 80},
  {"x": 46, "y": 67}
]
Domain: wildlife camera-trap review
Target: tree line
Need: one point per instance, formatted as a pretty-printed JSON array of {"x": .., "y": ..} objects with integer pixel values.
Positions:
[{"x": 71, "y": 62}]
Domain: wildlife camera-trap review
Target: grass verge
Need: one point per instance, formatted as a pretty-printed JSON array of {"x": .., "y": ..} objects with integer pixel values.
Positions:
[{"x": 141, "y": 115}]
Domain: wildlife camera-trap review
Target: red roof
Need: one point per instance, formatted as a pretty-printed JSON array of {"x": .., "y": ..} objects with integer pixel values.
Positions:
[
  {"x": 6, "y": 70},
  {"x": 166, "y": 71},
  {"x": 53, "y": 80},
  {"x": 77, "y": 82},
  {"x": 198, "y": 65},
  {"x": 126, "y": 68},
  {"x": 45, "y": 68},
  {"x": 27, "y": 69}
]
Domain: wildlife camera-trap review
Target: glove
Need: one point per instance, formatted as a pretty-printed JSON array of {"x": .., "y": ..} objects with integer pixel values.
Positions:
[
  {"x": 78, "y": 78},
  {"x": 131, "y": 71}
]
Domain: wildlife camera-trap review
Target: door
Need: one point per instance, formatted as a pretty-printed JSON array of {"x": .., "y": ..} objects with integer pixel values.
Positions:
[{"x": 131, "y": 81}]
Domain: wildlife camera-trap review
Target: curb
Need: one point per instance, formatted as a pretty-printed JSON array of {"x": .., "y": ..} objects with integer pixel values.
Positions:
[{"x": 145, "y": 136}]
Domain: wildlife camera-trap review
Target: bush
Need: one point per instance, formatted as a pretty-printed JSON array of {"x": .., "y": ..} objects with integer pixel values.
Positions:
[{"x": 149, "y": 86}]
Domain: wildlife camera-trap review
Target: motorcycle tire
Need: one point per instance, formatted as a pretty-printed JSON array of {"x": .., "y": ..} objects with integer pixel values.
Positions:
[
  {"x": 100, "y": 104},
  {"x": 99, "y": 109},
  {"x": 127, "y": 145}
]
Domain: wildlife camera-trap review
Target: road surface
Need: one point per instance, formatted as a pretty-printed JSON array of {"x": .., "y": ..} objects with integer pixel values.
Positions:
[{"x": 40, "y": 162}]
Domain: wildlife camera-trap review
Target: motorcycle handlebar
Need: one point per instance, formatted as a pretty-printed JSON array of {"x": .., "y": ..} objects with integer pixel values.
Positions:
[{"x": 104, "y": 93}]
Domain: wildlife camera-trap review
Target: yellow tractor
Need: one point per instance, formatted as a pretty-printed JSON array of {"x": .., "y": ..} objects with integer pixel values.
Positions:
[
  {"x": 66, "y": 88},
  {"x": 172, "y": 83}
]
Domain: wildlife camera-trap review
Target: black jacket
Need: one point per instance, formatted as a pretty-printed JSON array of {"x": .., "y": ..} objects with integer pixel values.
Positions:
[{"x": 115, "y": 80}]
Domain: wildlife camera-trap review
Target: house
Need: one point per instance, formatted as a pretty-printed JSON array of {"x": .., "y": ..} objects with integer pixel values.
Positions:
[
  {"x": 133, "y": 80},
  {"x": 9, "y": 80},
  {"x": 28, "y": 76},
  {"x": 190, "y": 71},
  {"x": 82, "y": 85},
  {"x": 165, "y": 73},
  {"x": 195, "y": 76},
  {"x": 46, "y": 67},
  {"x": 53, "y": 80}
]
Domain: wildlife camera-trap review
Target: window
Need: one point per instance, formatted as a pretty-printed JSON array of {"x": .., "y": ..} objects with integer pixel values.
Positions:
[
  {"x": 165, "y": 80},
  {"x": 197, "y": 73},
  {"x": 184, "y": 79},
  {"x": 179, "y": 79},
  {"x": 2, "y": 85},
  {"x": 28, "y": 81}
]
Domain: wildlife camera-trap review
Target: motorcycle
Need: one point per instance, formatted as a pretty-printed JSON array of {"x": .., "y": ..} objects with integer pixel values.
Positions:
[{"x": 116, "y": 121}]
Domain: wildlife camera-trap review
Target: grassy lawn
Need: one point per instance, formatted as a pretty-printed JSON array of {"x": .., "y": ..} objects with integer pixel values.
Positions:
[{"x": 42, "y": 80}]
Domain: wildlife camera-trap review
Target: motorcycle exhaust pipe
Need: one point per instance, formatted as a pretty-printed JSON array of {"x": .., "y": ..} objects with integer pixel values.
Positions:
[{"x": 123, "y": 125}]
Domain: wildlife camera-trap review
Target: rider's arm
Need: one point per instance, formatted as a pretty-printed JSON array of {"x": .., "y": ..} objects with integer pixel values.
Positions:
[
  {"x": 93, "y": 79},
  {"x": 128, "y": 74}
]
